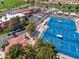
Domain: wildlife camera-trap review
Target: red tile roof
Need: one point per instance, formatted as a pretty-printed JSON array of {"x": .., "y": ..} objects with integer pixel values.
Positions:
[
  {"x": 22, "y": 10},
  {"x": 34, "y": 7},
  {"x": 26, "y": 12}
]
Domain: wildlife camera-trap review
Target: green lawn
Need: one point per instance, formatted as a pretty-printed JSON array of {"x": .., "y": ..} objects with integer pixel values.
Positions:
[
  {"x": 65, "y": 7},
  {"x": 5, "y": 31},
  {"x": 2, "y": 42},
  {"x": 8, "y": 4}
]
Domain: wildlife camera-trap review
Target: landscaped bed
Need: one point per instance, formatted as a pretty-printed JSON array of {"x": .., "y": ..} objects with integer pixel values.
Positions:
[{"x": 5, "y": 31}]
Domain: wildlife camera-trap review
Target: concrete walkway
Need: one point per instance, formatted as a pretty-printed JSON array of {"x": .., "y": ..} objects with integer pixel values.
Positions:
[
  {"x": 62, "y": 56},
  {"x": 41, "y": 28},
  {"x": 77, "y": 23},
  {"x": 31, "y": 39}
]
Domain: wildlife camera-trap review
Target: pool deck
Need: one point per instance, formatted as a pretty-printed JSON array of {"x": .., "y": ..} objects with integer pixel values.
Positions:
[
  {"x": 77, "y": 24},
  {"x": 41, "y": 28},
  {"x": 62, "y": 56}
]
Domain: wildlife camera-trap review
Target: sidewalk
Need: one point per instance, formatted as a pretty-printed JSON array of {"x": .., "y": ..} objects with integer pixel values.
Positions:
[
  {"x": 77, "y": 24},
  {"x": 41, "y": 28},
  {"x": 62, "y": 56}
]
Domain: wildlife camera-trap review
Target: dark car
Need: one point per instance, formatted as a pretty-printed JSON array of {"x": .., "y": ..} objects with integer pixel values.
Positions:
[{"x": 18, "y": 30}]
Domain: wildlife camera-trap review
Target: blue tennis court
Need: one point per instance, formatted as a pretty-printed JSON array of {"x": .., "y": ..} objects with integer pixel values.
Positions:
[{"x": 69, "y": 44}]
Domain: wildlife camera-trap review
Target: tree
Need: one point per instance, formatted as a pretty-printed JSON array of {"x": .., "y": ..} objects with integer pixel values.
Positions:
[
  {"x": 59, "y": 3},
  {"x": 50, "y": 45},
  {"x": 40, "y": 50},
  {"x": 45, "y": 53},
  {"x": 15, "y": 23},
  {"x": 2, "y": 2},
  {"x": 77, "y": 8},
  {"x": 18, "y": 22},
  {"x": 30, "y": 52},
  {"x": 38, "y": 43},
  {"x": 15, "y": 51},
  {"x": 31, "y": 2},
  {"x": 44, "y": 50},
  {"x": 31, "y": 28},
  {"x": 23, "y": 20},
  {"x": 21, "y": 57},
  {"x": 69, "y": 8}
]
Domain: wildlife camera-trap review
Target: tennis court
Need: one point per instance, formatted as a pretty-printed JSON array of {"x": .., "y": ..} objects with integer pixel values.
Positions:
[{"x": 69, "y": 43}]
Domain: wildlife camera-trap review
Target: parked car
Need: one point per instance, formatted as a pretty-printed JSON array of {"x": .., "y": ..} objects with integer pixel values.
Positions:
[{"x": 18, "y": 30}]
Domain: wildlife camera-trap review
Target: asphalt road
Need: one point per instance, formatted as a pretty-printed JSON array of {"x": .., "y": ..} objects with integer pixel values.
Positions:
[{"x": 6, "y": 37}]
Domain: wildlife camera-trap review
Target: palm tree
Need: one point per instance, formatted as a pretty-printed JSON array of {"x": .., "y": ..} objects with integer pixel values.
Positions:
[
  {"x": 31, "y": 28},
  {"x": 12, "y": 23},
  {"x": 40, "y": 50},
  {"x": 23, "y": 20},
  {"x": 31, "y": 2},
  {"x": 76, "y": 8},
  {"x": 30, "y": 52},
  {"x": 15, "y": 51},
  {"x": 38, "y": 43},
  {"x": 36, "y": 2},
  {"x": 18, "y": 22},
  {"x": 69, "y": 8},
  {"x": 59, "y": 5},
  {"x": 21, "y": 57},
  {"x": 45, "y": 53},
  {"x": 51, "y": 45},
  {"x": 45, "y": 50}
]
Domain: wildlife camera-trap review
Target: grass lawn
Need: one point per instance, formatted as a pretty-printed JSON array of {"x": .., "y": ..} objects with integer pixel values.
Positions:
[
  {"x": 8, "y": 4},
  {"x": 5, "y": 31},
  {"x": 2, "y": 42},
  {"x": 65, "y": 7}
]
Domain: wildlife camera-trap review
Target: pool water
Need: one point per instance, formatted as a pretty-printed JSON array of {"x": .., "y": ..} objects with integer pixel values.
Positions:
[{"x": 69, "y": 45}]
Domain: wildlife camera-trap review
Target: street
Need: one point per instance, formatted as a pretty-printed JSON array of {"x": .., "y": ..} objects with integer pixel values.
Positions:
[{"x": 6, "y": 37}]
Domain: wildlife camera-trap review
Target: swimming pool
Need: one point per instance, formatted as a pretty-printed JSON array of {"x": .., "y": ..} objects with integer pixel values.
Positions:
[{"x": 67, "y": 28}]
